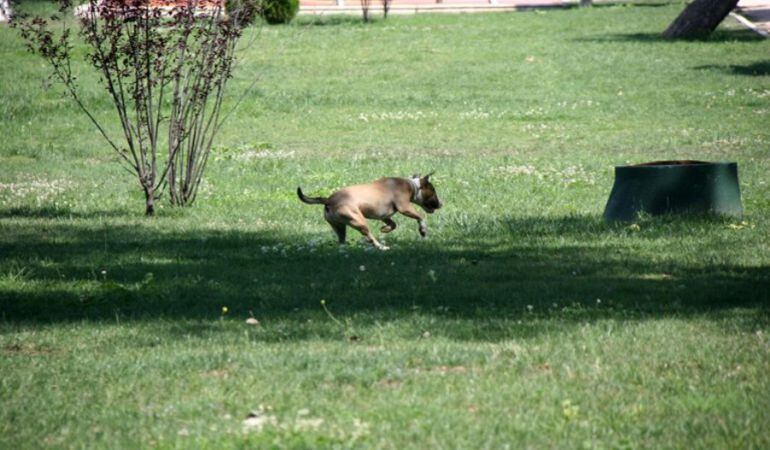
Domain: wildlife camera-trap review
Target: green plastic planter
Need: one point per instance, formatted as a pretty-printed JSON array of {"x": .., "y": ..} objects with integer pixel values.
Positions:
[{"x": 674, "y": 187}]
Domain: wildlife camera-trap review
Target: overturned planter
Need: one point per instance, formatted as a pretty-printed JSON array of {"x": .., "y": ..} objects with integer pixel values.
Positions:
[{"x": 674, "y": 187}]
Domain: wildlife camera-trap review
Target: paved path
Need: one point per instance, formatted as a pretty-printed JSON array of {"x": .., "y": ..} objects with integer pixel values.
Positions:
[
  {"x": 324, "y": 7},
  {"x": 754, "y": 14}
]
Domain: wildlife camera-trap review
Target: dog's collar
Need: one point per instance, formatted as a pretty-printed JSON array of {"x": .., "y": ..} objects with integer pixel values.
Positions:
[{"x": 417, "y": 194}]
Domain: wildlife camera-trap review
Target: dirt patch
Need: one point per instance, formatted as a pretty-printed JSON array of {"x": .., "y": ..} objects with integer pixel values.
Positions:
[
  {"x": 443, "y": 370},
  {"x": 388, "y": 383},
  {"x": 220, "y": 373},
  {"x": 27, "y": 350}
]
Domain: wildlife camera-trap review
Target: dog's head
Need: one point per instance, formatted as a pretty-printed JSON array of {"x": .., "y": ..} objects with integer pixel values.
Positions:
[{"x": 428, "y": 198}]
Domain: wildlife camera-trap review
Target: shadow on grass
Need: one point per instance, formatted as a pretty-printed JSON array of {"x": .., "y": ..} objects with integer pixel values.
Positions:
[
  {"x": 717, "y": 36},
  {"x": 333, "y": 20},
  {"x": 757, "y": 69},
  {"x": 50, "y": 212},
  {"x": 65, "y": 272}
]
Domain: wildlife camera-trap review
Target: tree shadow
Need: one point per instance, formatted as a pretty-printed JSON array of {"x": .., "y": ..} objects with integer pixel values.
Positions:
[
  {"x": 757, "y": 69},
  {"x": 52, "y": 212},
  {"x": 332, "y": 20},
  {"x": 718, "y": 36},
  {"x": 488, "y": 289}
]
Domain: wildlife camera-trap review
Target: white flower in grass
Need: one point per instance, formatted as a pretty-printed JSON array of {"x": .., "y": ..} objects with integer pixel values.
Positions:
[
  {"x": 362, "y": 268},
  {"x": 257, "y": 420}
]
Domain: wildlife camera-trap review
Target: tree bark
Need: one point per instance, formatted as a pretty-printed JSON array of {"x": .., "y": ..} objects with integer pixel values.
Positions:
[
  {"x": 149, "y": 203},
  {"x": 5, "y": 10},
  {"x": 586, "y": 3},
  {"x": 699, "y": 19}
]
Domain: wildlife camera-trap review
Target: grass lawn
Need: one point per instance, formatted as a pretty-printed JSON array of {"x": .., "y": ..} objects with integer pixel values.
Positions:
[{"x": 522, "y": 321}]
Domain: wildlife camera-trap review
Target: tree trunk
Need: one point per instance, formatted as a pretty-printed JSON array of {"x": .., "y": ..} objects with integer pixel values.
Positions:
[
  {"x": 699, "y": 19},
  {"x": 585, "y": 3},
  {"x": 149, "y": 203},
  {"x": 171, "y": 177},
  {"x": 5, "y": 10},
  {"x": 365, "y": 9}
]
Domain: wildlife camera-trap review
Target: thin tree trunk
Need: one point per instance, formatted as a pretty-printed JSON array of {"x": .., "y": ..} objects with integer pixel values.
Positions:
[
  {"x": 149, "y": 204},
  {"x": 699, "y": 19},
  {"x": 365, "y": 9},
  {"x": 585, "y": 3}
]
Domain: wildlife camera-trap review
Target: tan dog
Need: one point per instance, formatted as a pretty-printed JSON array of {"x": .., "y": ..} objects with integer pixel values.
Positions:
[{"x": 380, "y": 200}]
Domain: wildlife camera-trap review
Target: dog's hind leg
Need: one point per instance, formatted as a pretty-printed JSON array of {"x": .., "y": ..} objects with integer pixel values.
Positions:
[
  {"x": 389, "y": 226},
  {"x": 337, "y": 225},
  {"x": 340, "y": 229},
  {"x": 358, "y": 222}
]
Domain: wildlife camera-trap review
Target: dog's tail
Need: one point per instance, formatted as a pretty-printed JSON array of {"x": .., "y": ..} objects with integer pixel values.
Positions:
[{"x": 311, "y": 200}]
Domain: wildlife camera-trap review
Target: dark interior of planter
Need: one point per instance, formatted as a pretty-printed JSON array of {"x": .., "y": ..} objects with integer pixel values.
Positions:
[{"x": 680, "y": 162}]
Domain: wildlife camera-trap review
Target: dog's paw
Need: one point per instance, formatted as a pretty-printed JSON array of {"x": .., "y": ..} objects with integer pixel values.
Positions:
[{"x": 423, "y": 232}]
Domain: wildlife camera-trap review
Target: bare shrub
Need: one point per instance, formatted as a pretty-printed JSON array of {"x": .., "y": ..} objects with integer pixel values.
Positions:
[{"x": 165, "y": 70}]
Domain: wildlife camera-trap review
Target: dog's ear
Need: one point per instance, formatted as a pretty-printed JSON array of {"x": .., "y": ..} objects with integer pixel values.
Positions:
[
  {"x": 427, "y": 177},
  {"x": 417, "y": 175}
]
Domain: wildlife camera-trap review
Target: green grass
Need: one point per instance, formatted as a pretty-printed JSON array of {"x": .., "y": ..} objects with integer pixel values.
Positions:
[{"x": 523, "y": 321}]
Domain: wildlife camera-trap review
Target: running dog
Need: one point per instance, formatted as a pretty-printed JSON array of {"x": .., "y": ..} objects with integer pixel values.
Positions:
[{"x": 379, "y": 200}]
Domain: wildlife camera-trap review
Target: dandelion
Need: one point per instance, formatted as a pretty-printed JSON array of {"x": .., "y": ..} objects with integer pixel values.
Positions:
[
  {"x": 569, "y": 410},
  {"x": 362, "y": 268},
  {"x": 530, "y": 307},
  {"x": 328, "y": 313},
  {"x": 224, "y": 310}
]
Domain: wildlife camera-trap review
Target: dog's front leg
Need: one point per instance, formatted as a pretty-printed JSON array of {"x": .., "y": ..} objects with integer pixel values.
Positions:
[
  {"x": 410, "y": 212},
  {"x": 389, "y": 226}
]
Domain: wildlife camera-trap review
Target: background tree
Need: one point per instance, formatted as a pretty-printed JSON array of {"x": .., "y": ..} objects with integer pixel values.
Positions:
[
  {"x": 365, "y": 4},
  {"x": 166, "y": 74},
  {"x": 699, "y": 19},
  {"x": 5, "y": 10}
]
